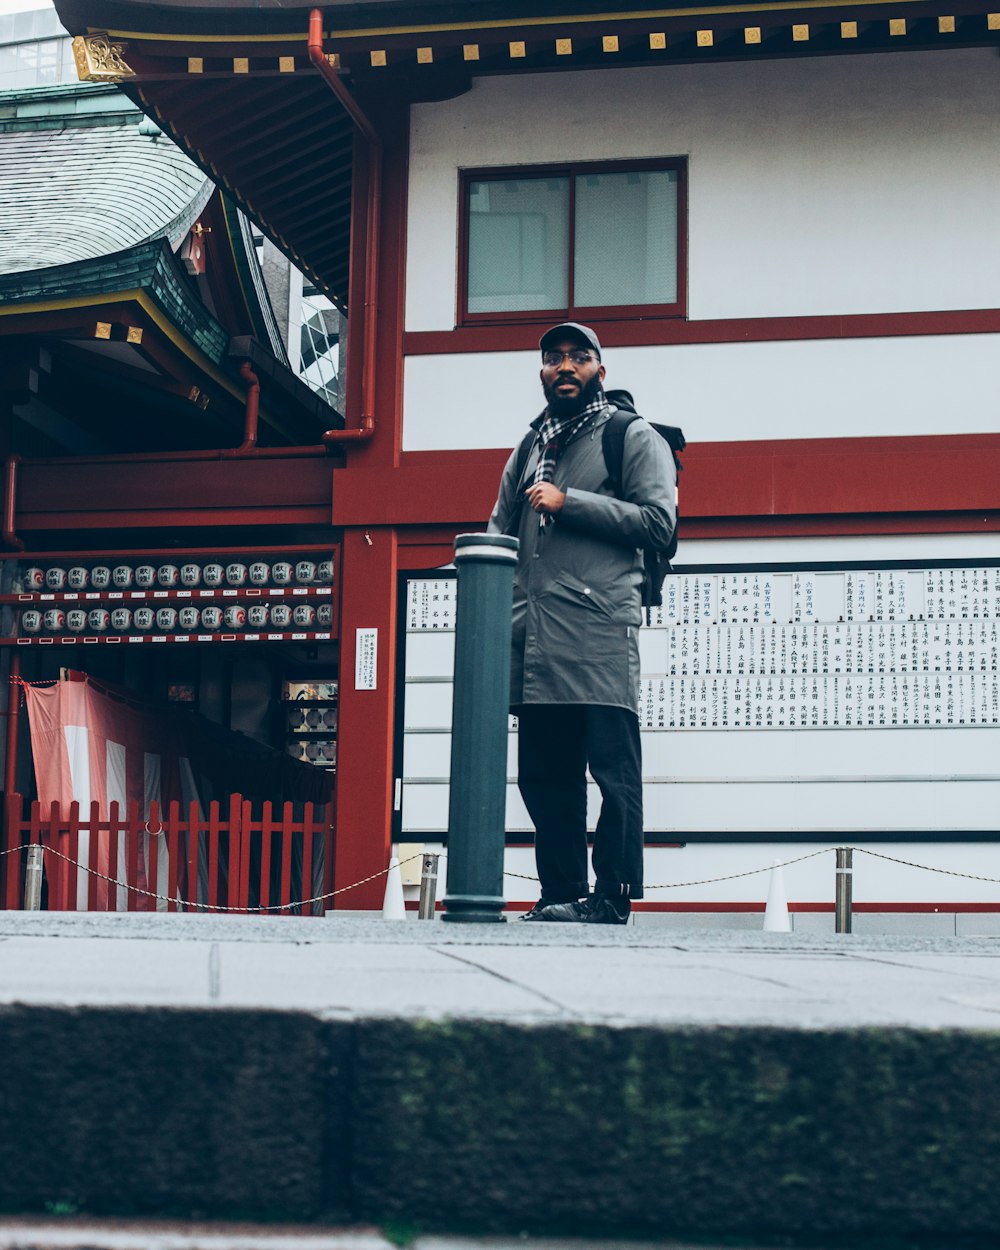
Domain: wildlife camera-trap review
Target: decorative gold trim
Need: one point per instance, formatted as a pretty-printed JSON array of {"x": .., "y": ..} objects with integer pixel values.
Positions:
[
  {"x": 657, "y": 42},
  {"x": 564, "y": 47},
  {"x": 516, "y": 47},
  {"x": 377, "y": 59},
  {"x": 425, "y": 56},
  {"x": 241, "y": 65},
  {"x": 946, "y": 25},
  {"x": 800, "y": 32},
  {"x": 848, "y": 30},
  {"x": 751, "y": 34},
  {"x": 134, "y": 334},
  {"x": 102, "y": 330},
  {"x": 100, "y": 59},
  {"x": 609, "y": 43},
  {"x": 196, "y": 65},
  {"x": 286, "y": 64},
  {"x": 470, "y": 51},
  {"x": 333, "y": 58},
  {"x": 705, "y": 39},
  {"x": 993, "y": 21},
  {"x": 897, "y": 25}
]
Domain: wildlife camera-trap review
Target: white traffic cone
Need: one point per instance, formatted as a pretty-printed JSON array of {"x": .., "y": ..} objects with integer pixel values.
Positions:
[
  {"x": 776, "y": 918},
  {"x": 393, "y": 907}
]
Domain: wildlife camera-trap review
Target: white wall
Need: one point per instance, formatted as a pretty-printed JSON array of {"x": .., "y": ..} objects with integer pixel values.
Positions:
[
  {"x": 842, "y": 184},
  {"x": 821, "y": 186},
  {"x": 818, "y": 388}
]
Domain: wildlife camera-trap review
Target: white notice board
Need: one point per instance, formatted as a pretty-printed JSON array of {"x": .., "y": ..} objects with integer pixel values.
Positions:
[{"x": 794, "y": 699}]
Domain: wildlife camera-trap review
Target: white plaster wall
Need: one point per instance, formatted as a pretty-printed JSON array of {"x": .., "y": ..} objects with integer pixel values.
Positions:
[
  {"x": 847, "y": 184},
  {"x": 818, "y": 388}
]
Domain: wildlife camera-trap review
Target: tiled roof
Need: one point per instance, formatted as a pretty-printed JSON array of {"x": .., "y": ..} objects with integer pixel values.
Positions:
[
  {"x": 78, "y": 183},
  {"x": 150, "y": 267}
]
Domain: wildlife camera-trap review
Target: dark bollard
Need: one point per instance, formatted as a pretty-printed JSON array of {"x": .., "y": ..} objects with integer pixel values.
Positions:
[{"x": 479, "y": 727}]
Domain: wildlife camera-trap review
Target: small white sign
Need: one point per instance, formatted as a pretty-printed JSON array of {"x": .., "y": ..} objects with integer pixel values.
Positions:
[{"x": 365, "y": 659}]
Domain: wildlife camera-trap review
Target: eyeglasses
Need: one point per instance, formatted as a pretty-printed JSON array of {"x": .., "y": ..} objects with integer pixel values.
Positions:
[{"x": 577, "y": 356}]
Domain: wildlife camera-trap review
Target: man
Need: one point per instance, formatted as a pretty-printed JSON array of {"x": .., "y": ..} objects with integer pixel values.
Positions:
[{"x": 577, "y": 611}]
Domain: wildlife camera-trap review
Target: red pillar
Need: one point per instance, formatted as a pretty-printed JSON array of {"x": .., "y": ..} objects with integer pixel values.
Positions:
[
  {"x": 365, "y": 734},
  {"x": 364, "y": 802}
]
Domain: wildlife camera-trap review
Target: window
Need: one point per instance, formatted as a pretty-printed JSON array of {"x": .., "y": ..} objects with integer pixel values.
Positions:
[{"x": 585, "y": 242}]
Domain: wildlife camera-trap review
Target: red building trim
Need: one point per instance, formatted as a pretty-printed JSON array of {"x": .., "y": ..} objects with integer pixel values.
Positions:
[
  {"x": 641, "y": 330},
  {"x": 811, "y": 485},
  {"x": 364, "y": 798},
  {"x": 862, "y": 908}
]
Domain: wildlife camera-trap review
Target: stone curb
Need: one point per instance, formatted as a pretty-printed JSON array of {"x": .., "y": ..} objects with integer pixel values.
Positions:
[{"x": 576, "y": 1129}]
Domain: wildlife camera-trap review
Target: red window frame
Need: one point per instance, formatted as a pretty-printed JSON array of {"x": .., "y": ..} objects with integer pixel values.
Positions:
[{"x": 572, "y": 312}]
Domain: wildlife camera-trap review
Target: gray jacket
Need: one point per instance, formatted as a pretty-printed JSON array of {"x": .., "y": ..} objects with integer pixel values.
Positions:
[{"x": 577, "y": 601}]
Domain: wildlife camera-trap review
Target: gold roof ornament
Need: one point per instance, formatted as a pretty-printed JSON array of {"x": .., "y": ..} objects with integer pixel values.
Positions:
[{"x": 100, "y": 59}]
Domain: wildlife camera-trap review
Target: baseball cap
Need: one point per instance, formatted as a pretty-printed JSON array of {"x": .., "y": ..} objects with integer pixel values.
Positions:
[{"x": 570, "y": 330}]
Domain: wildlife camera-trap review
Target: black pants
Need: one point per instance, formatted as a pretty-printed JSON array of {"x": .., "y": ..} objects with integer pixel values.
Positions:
[{"x": 556, "y": 743}]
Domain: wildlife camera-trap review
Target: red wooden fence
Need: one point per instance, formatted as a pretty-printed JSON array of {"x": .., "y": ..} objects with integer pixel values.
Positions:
[{"x": 242, "y": 855}]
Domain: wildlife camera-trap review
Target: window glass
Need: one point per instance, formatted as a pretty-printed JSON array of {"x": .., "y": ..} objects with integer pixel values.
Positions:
[
  {"x": 518, "y": 244},
  {"x": 626, "y": 239},
  {"x": 320, "y": 348}
]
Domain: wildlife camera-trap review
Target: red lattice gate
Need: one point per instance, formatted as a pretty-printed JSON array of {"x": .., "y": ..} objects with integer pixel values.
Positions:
[{"x": 241, "y": 856}]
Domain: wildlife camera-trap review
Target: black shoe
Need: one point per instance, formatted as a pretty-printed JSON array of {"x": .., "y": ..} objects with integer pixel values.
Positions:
[
  {"x": 575, "y": 913},
  {"x": 543, "y": 904},
  {"x": 604, "y": 910}
]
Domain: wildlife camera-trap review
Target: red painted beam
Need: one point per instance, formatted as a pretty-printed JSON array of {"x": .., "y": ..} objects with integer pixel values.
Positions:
[
  {"x": 152, "y": 493},
  {"x": 795, "y": 477},
  {"x": 639, "y": 331}
]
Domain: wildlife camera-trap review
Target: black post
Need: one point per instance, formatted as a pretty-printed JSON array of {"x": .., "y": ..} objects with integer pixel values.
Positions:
[{"x": 479, "y": 727}]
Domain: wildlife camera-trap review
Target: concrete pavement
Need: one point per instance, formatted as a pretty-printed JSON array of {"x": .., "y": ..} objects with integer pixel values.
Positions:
[
  {"x": 348, "y": 968},
  {"x": 549, "y": 1078},
  {"x": 87, "y": 1234}
]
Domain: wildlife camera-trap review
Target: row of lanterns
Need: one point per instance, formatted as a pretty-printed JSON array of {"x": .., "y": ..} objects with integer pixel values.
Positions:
[
  {"x": 169, "y": 620},
  {"x": 321, "y": 751},
  {"x": 169, "y": 576}
]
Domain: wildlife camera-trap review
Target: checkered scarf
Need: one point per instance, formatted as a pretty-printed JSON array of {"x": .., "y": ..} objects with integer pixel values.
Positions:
[
  {"x": 555, "y": 432},
  {"x": 553, "y": 435}
]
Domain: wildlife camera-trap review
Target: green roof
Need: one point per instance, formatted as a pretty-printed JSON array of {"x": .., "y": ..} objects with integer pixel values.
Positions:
[{"x": 81, "y": 177}]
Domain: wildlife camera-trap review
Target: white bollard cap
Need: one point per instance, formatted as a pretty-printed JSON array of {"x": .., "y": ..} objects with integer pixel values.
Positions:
[
  {"x": 393, "y": 906},
  {"x": 776, "y": 917}
]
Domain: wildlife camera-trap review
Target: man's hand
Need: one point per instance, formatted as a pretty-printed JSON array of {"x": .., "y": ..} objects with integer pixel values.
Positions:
[{"x": 545, "y": 497}]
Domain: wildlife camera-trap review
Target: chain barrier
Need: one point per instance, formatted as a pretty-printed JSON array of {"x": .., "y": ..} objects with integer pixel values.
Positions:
[
  {"x": 677, "y": 885},
  {"x": 947, "y": 872},
  {"x": 319, "y": 898},
  {"x": 190, "y": 903}
]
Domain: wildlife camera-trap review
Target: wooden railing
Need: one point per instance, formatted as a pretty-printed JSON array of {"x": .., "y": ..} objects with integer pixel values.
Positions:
[{"x": 240, "y": 856}]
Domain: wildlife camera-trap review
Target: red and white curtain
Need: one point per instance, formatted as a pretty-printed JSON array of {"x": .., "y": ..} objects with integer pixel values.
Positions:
[{"x": 92, "y": 745}]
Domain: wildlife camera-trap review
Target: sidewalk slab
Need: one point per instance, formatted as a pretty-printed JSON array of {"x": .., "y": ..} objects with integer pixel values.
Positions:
[
  {"x": 76, "y": 1233},
  {"x": 549, "y": 1078}
]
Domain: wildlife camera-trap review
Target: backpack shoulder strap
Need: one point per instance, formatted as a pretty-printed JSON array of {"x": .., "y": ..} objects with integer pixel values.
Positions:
[
  {"x": 613, "y": 445},
  {"x": 523, "y": 452}
]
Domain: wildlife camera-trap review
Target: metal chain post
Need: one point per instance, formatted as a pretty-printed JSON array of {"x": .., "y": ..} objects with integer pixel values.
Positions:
[
  {"x": 33, "y": 879},
  {"x": 845, "y": 874},
  {"x": 428, "y": 887}
]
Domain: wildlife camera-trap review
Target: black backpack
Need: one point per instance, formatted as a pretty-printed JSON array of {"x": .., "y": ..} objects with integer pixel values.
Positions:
[{"x": 656, "y": 563}]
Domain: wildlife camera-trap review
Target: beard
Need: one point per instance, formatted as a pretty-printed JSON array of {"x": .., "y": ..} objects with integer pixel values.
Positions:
[{"x": 567, "y": 405}]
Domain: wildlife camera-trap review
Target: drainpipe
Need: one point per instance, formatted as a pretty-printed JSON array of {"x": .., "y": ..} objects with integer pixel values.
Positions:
[
  {"x": 252, "y": 408},
  {"x": 10, "y": 539},
  {"x": 336, "y": 85}
]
